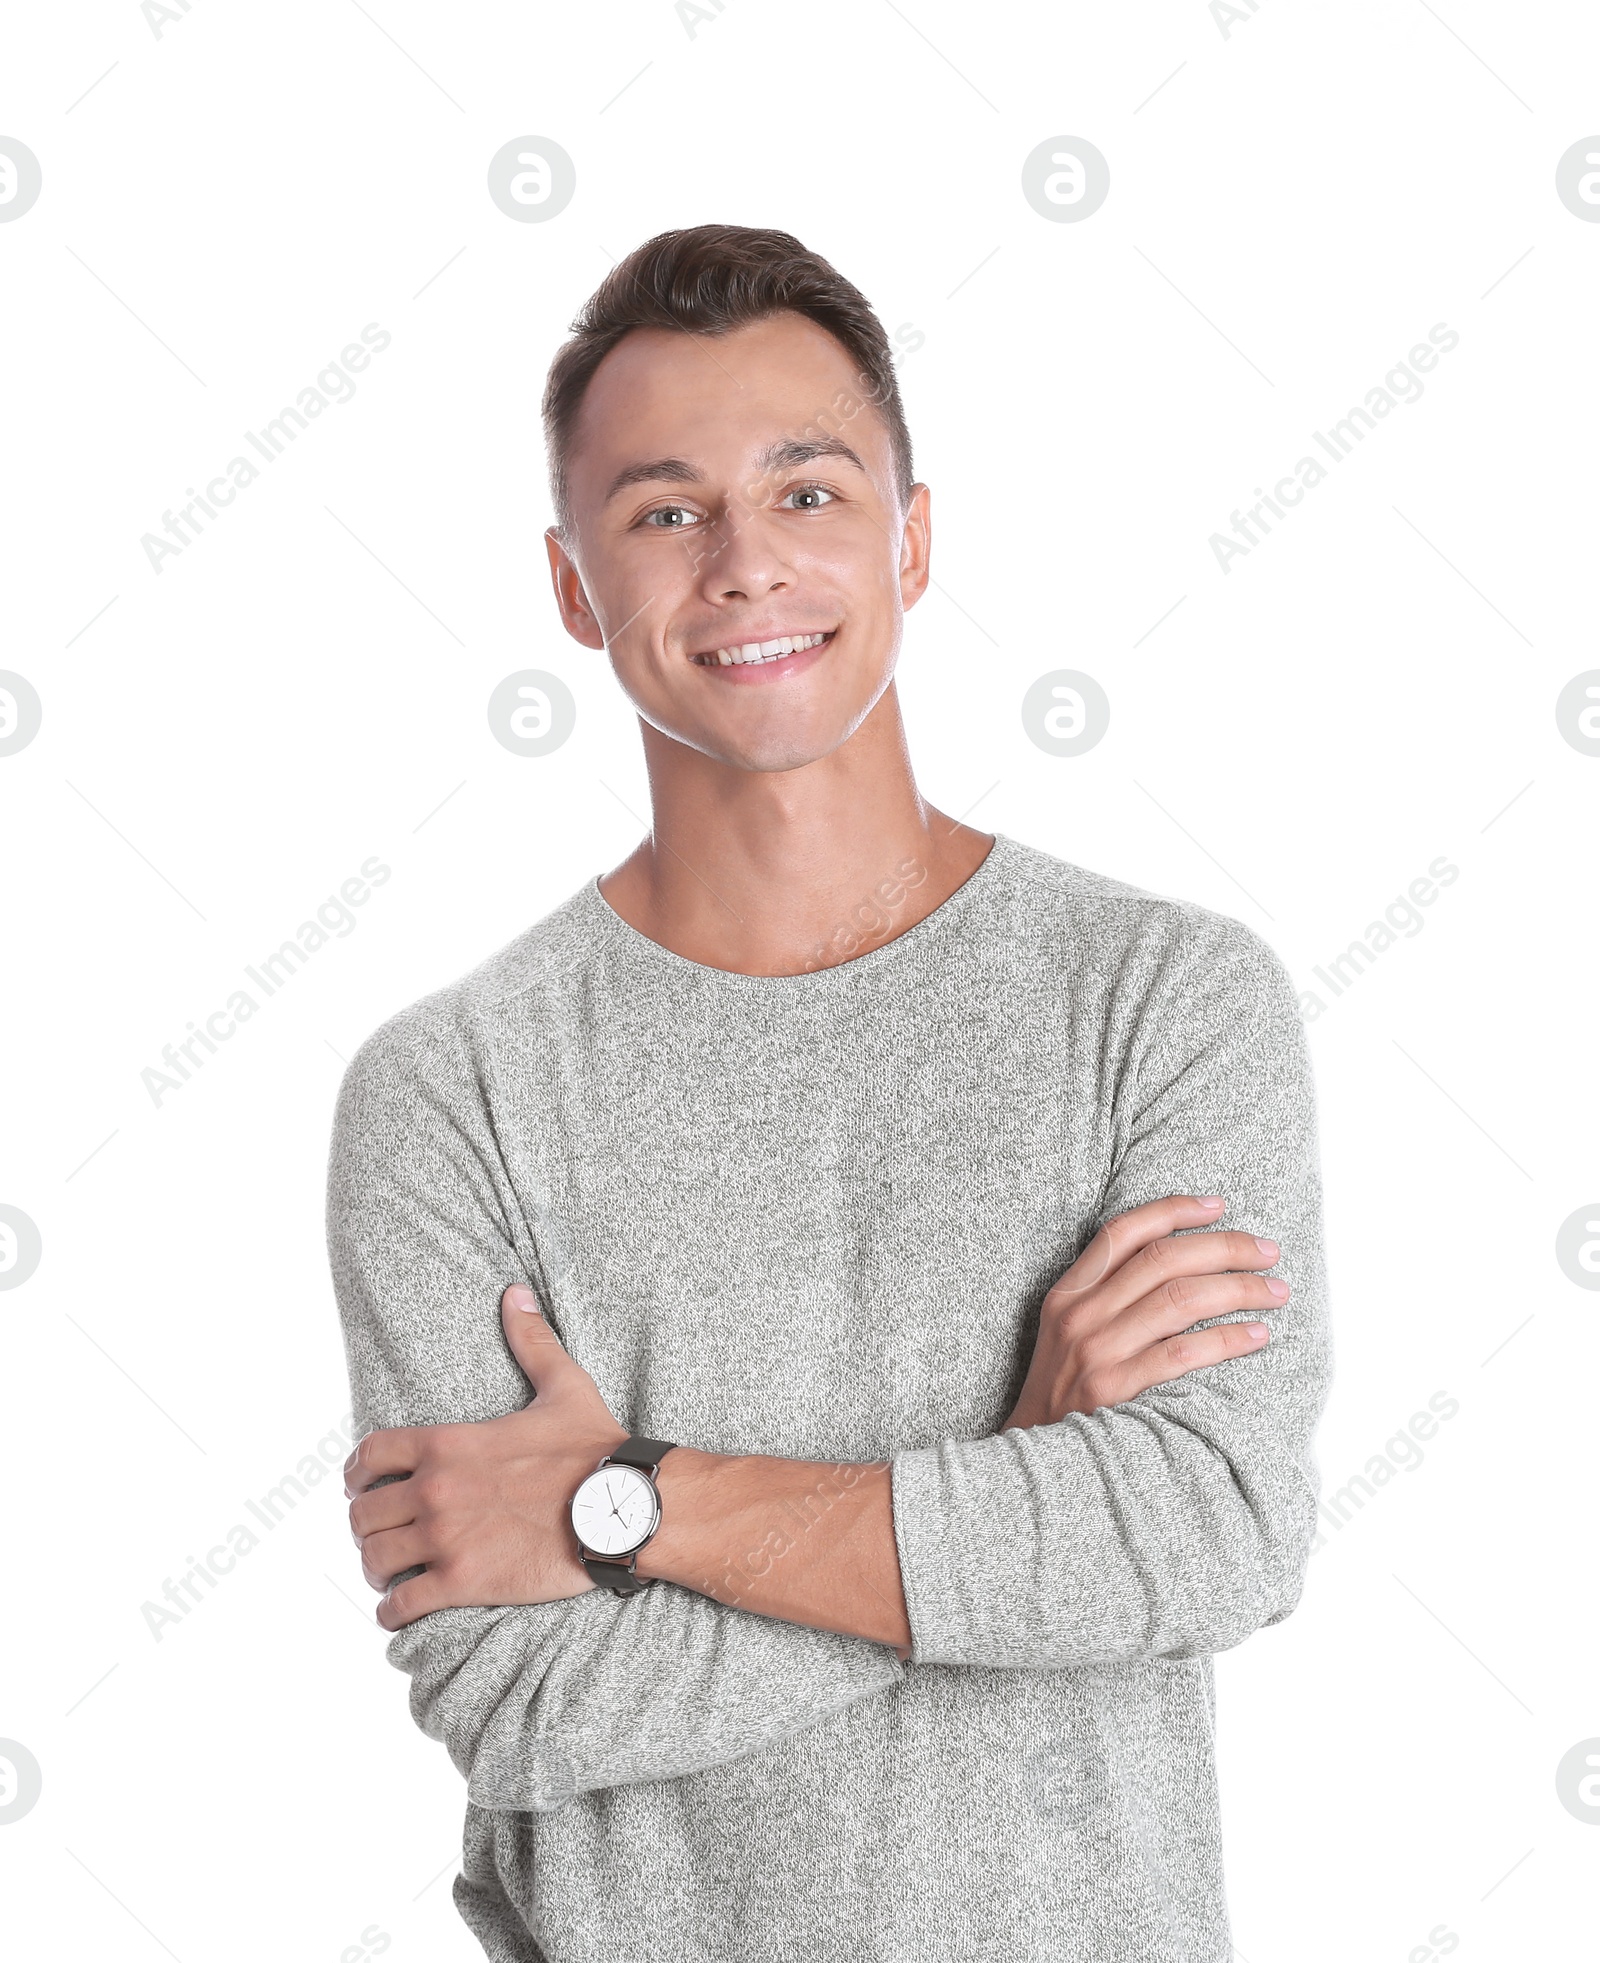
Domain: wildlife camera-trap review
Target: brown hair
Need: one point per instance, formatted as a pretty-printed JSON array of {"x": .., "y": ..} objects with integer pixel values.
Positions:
[{"x": 709, "y": 279}]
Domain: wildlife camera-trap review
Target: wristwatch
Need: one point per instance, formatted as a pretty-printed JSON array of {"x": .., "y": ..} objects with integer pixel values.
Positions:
[{"x": 616, "y": 1511}]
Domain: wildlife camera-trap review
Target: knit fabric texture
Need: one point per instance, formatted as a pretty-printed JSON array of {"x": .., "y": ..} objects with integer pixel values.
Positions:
[{"x": 816, "y": 1216}]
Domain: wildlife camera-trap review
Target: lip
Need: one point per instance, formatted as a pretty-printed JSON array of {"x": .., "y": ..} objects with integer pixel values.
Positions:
[{"x": 748, "y": 673}]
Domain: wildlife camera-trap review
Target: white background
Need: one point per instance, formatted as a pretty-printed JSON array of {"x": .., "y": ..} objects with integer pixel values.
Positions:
[{"x": 1293, "y": 205}]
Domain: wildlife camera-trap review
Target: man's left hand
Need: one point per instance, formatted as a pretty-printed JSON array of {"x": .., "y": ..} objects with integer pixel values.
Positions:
[{"x": 484, "y": 1507}]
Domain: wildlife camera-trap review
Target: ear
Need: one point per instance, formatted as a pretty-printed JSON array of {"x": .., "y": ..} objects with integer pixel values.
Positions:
[
  {"x": 576, "y": 614},
  {"x": 916, "y": 546}
]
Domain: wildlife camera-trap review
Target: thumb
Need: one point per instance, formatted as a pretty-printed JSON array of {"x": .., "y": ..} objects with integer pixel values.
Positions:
[{"x": 533, "y": 1342}]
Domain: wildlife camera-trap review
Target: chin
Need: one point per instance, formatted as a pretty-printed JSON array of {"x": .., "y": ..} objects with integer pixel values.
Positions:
[{"x": 772, "y": 757}]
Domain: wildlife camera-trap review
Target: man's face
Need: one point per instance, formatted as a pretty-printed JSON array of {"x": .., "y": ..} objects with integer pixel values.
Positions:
[{"x": 727, "y": 492}]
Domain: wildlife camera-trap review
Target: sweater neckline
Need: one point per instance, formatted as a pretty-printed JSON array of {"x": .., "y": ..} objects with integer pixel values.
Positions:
[{"x": 932, "y": 931}]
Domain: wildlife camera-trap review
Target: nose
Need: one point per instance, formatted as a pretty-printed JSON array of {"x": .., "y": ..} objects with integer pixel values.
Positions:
[{"x": 746, "y": 561}]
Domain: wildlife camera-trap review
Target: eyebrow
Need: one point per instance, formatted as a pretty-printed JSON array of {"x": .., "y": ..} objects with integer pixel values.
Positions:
[
  {"x": 777, "y": 456},
  {"x": 660, "y": 470},
  {"x": 780, "y": 456}
]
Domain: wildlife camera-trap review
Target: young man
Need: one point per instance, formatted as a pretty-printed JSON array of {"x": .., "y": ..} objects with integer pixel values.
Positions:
[{"x": 876, "y": 1266}]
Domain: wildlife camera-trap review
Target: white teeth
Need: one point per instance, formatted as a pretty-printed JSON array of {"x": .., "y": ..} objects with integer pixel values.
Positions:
[{"x": 763, "y": 650}]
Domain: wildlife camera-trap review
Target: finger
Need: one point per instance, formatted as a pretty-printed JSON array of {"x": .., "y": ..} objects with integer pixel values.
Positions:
[
  {"x": 1173, "y": 1256},
  {"x": 1181, "y": 1299},
  {"x": 1124, "y": 1234},
  {"x": 533, "y": 1342},
  {"x": 1178, "y": 1356},
  {"x": 1174, "y": 1310},
  {"x": 421, "y": 1595},
  {"x": 383, "y": 1455},
  {"x": 1169, "y": 1260},
  {"x": 384, "y": 1555},
  {"x": 389, "y": 1506}
]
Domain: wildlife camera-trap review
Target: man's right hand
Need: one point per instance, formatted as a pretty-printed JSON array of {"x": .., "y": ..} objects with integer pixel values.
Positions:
[{"x": 1120, "y": 1319}]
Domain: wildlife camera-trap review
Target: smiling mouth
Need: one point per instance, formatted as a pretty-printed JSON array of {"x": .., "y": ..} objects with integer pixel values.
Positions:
[{"x": 756, "y": 651}]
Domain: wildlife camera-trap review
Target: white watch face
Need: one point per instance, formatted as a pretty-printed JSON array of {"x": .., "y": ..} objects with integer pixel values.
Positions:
[{"x": 615, "y": 1510}]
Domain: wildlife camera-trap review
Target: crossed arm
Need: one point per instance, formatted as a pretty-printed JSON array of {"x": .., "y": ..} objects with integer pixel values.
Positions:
[
  {"x": 1151, "y": 1495},
  {"x": 482, "y": 1508}
]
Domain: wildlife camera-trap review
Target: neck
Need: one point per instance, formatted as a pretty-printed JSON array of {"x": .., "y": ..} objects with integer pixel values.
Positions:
[{"x": 781, "y": 872}]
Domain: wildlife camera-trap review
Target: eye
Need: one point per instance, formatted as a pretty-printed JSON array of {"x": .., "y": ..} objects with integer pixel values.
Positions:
[
  {"x": 669, "y": 517},
  {"x": 815, "y": 492}
]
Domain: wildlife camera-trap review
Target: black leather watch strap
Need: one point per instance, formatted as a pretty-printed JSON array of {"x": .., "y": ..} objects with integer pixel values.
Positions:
[
  {"x": 645, "y": 1453},
  {"x": 617, "y": 1574}
]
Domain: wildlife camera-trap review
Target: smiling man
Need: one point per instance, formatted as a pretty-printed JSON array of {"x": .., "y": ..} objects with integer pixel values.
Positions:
[{"x": 802, "y": 1295}]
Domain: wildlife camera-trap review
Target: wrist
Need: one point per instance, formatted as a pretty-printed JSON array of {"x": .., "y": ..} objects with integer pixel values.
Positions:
[
  {"x": 688, "y": 1487},
  {"x": 809, "y": 1543}
]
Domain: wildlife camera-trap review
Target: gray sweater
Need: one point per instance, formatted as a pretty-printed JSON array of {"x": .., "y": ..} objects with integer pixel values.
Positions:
[{"x": 815, "y": 1216}]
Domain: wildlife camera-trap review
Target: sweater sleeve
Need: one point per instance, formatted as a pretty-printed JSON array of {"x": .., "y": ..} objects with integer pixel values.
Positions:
[
  {"x": 533, "y": 1703},
  {"x": 1175, "y": 1524}
]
